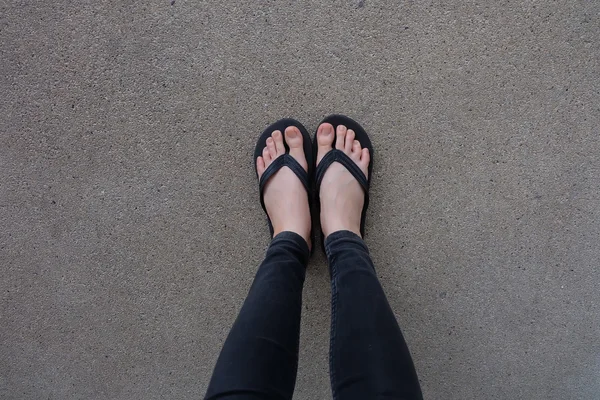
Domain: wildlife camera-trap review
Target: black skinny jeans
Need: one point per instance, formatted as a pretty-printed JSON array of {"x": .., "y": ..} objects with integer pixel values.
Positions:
[{"x": 368, "y": 357}]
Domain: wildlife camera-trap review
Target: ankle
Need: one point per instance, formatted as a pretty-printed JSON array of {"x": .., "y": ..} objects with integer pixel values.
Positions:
[
  {"x": 305, "y": 234},
  {"x": 332, "y": 225}
]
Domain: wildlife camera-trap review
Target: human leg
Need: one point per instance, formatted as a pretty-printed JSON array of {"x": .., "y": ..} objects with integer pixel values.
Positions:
[
  {"x": 368, "y": 355},
  {"x": 259, "y": 358}
]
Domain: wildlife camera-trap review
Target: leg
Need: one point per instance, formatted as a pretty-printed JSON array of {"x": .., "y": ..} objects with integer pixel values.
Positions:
[
  {"x": 260, "y": 357},
  {"x": 368, "y": 356}
]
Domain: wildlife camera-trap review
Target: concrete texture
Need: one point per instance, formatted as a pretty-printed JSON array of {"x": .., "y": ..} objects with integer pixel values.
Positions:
[{"x": 131, "y": 228}]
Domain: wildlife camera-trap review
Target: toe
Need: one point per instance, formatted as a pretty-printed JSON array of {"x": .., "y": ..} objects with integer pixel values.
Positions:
[
  {"x": 340, "y": 136},
  {"x": 266, "y": 157},
  {"x": 365, "y": 158},
  {"x": 278, "y": 139},
  {"x": 260, "y": 166},
  {"x": 325, "y": 136},
  {"x": 294, "y": 139},
  {"x": 355, "y": 154},
  {"x": 349, "y": 142},
  {"x": 271, "y": 147}
]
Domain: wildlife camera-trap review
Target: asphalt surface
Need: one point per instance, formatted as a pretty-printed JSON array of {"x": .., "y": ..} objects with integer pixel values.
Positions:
[{"x": 131, "y": 228}]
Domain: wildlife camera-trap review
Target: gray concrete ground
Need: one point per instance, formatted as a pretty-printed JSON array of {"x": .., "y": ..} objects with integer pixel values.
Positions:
[{"x": 131, "y": 229}]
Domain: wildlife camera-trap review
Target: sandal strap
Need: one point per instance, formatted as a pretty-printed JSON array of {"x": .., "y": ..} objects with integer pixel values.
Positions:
[
  {"x": 284, "y": 160},
  {"x": 341, "y": 157}
]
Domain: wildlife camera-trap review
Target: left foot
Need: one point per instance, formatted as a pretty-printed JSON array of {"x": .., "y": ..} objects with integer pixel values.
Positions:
[{"x": 285, "y": 197}]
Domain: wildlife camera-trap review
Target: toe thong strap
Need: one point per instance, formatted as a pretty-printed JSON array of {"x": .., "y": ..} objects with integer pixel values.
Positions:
[
  {"x": 285, "y": 160},
  {"x": 341, "y": 157}
]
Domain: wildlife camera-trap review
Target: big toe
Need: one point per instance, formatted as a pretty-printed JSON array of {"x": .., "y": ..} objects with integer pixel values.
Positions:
[
  {"x": 325, "y": 136},
  {"x": 294, "y": 139}
]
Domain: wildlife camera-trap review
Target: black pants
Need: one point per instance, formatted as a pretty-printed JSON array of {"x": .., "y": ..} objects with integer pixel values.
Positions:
[{"x": 368, "y": 356}]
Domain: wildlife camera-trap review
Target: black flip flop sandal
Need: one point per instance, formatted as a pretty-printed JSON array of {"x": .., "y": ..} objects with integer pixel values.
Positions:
[
  {"x": 341, "y": 157},
  {"x": 285, "y": 160}
]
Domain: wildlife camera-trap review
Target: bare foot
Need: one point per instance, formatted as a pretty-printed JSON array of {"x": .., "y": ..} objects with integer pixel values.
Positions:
[
  {"x": 342, "y": 197},
  {"x": 285, "y": 197}
]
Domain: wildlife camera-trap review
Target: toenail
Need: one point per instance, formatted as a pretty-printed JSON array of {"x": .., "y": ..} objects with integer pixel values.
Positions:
[
  {"x": 326, "y": 129},
  {"x": 292, "y": 133}
]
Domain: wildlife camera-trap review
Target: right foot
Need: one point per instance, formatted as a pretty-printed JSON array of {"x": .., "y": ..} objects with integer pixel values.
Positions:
[
  {"x": 342, "y": 197},
  {"x": 285, "y": 197}
]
